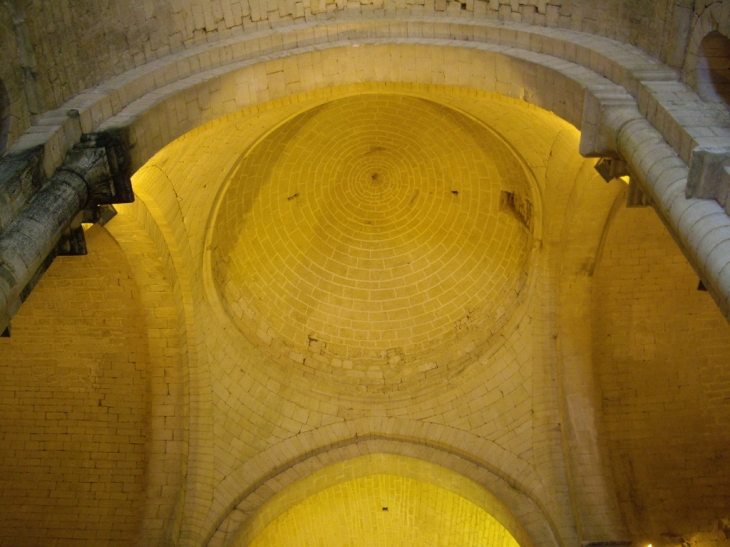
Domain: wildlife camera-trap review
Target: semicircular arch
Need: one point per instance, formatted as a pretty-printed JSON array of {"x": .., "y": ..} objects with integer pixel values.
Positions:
[
  {"x": 510, "y": 480},
  {"x": 380, "y": 463},
  {"x": 532, "y": 78},
  {"x": 196, "y": 224}
]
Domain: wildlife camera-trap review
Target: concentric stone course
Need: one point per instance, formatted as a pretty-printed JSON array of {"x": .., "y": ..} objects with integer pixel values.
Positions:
[{"x": 372, "y": 231}]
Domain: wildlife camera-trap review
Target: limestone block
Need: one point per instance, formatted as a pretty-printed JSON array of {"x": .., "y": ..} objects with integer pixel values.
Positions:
[{"x": 709, "y": 175}]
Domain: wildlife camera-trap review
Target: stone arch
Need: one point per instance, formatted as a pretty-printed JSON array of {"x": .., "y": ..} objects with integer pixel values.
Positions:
[
  {"x": 4, "y": 117},
  {"x": 135, "y": 232},
  {"x": 588, "y": 206},
  {"x": 185, "y": 104},
  {"x": 146, "y": 215},
  {"x": 379, "y": 463},
  {"x": 566, "y": 55},
  {"x": 530, "y": 77},
  {"x": 168, "y": 200},
  {"x": 510, "y": 480},
  {"x": 325, "y": 93},
  {"x": 596, "y": 62}
]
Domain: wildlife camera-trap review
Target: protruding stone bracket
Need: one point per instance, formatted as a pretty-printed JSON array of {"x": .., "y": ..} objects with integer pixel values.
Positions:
[
  {"x": 99, "y": 214},
  {"x": 611, "y": 168},
  {"x": 72, "y": 243},
  {"x": 101, "y": 159},
  {"x": 709, "y": 175},
  {"x": 600, "y": 135},
  {"x": 635, "y": 195},
  {"x": 108, "y": 178},
  {"x": 598, "y": 139},
  {"x": 95, "y": 174}
]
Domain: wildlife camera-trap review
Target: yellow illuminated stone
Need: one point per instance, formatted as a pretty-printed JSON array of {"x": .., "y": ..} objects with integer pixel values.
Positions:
[
  {"x": 383, "y": 511},
  {"x": 369, "y": 232}
]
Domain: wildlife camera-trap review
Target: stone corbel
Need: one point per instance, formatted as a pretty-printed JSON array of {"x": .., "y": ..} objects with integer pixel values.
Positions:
[
  {"x": 701, "y": 226},
  {"x": 611, "y": 168},
  {"x": 635, "y": 195},
  {"x": 599, "y": 139}
]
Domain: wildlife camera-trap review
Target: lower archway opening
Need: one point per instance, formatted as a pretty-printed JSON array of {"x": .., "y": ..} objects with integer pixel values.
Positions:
[{"x": 382, "y": 500}]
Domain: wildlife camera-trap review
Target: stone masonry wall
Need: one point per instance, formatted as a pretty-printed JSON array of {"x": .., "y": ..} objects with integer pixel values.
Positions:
[
  {"x": 77, "y": 44},
  {"x": 73, "y": 406},
  {"x": 12, "y": 79},
  {"x": 661, "y": 350}
]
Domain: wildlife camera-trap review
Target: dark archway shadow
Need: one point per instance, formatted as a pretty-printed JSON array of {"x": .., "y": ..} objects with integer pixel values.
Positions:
[
  {"x": 713, "y": 68},
  {"x": 4, "y": 117}
]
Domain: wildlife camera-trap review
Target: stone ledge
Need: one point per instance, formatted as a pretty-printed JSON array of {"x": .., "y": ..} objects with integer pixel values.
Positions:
[{"x": 618, "y": 62}]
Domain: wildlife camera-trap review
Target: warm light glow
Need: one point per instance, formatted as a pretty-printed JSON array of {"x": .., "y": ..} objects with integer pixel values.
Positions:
[
  {"x": 347, "y": 503},
  {"x": 354, "y": 514},
  {"x": 358, "y": 239},
  {"x": 627, "y": 179}
]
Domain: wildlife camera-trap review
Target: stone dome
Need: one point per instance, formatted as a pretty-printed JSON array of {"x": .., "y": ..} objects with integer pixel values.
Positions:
[{"x": 371, "y": 236}]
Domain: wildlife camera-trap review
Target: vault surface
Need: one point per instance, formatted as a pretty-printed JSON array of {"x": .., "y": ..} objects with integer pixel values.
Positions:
[{"x": 369, "y": 234}]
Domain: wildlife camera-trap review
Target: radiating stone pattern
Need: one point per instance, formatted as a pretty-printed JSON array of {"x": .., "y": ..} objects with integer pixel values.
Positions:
[{"x": 368, "y": 234}]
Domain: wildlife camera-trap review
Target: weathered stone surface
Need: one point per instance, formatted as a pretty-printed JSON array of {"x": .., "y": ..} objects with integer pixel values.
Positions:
[
  {"x": 709, "y": 175},
  {"x": 21, "y": 177},
  {"x": 96, "y": 172}
]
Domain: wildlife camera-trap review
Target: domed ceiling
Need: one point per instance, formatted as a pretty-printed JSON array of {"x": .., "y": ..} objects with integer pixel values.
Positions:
[{"x": 371, "y": 236}]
